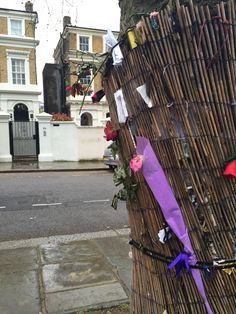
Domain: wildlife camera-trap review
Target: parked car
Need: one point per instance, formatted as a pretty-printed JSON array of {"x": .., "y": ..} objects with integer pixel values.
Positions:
[{"x": 109, "y": 160}]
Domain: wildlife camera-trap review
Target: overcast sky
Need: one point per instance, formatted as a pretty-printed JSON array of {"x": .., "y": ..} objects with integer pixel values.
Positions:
[{"x": 103, "y": 14}]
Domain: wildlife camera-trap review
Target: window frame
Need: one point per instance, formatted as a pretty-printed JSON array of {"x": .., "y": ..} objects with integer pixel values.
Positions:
[
  {"x": 18, "y": 55},
  {"x": 22, "y": 27},
  {"x": 90, "y": 42},
  {"x": 18, "y": 76},
  {"x": 80, "y": 44}
]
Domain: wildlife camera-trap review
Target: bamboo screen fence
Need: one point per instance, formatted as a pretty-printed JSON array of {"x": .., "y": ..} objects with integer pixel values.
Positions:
[{"x": 187, "y": 60}]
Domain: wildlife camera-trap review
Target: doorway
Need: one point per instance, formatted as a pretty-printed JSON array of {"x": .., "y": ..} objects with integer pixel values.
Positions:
[{"x": 21, "y": 112}]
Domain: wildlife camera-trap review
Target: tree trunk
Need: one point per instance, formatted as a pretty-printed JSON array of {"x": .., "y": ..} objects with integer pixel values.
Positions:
[{"x": 131, "y": 9}]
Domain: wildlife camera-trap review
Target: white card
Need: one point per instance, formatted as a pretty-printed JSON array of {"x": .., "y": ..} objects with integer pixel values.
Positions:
[
  {"x": 116, "y": 52},
  {"x": 162, "y": 234},
  {"x": 143, "y": 92},
  {"x": 121, "y": 106}
]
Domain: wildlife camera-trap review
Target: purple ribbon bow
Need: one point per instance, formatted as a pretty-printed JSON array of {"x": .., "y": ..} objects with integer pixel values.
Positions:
[{"x": 179, "y": 262}]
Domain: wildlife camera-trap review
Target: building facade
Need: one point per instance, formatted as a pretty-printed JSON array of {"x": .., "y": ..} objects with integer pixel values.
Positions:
[
  {"x": 80, "y": 52},
  {"x": 18, "y": 78}
]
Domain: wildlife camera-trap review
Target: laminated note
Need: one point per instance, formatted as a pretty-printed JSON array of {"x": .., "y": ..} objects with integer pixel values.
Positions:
[
  {"x": 116, "y": 52},
  {"x": 143, "y": 92},
  {"x": 121, "y": 106}
]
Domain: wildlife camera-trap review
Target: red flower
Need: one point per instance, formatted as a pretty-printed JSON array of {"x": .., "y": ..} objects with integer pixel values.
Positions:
[
  {"x": 230, "y": 169},
  {"x": 73, "y": 91},
  {"x": 110, "y": 133},
  {"x": 68, "y": 88}
]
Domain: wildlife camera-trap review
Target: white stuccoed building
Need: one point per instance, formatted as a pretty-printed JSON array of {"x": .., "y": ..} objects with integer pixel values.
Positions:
[{"x": 18, "y": 79}]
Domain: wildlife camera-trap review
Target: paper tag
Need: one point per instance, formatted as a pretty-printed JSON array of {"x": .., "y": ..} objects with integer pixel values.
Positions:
[
  {"x": 121, "y": 106},
  {"x": 143, "y": 92},
  {"x": 162, "y": 235},
  {"x": 116, "y": 52}
]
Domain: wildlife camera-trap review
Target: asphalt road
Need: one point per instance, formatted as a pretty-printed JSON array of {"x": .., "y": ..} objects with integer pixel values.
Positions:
[{"x": 57, "y": 203}]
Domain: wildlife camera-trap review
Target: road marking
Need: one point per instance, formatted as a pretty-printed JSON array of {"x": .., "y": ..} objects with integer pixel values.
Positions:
[
  {"x": 50, "y": 204},
  {"x": 1, "y": 207},
  {"x": 96, "y": 201}
]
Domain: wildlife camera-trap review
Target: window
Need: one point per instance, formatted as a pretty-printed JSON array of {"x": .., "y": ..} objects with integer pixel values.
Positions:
[
  {"x": 16, "y": 27},
  {"x": 18, "y": 67},
  {"x": 18, "y": 71},
  {"x": 84, "y": 43},
  {"x": 86, "y": 80},
  {"x": 86, "y": 119}
]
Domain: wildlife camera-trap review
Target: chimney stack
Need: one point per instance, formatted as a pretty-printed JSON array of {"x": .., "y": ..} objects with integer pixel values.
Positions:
[
  {"x": 29, "y": 6},
  {"x": 66, "y": 21}
]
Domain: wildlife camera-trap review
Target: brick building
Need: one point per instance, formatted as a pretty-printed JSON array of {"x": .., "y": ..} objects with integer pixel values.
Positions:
[
  {"x": 78, "y": 47},
  {"x": 18, "y": 79}
]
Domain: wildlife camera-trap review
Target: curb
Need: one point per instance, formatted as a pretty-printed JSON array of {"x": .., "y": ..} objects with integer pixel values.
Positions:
[
  {"x": 52, "y": 170},
  {"x": 24, "y": 243}
]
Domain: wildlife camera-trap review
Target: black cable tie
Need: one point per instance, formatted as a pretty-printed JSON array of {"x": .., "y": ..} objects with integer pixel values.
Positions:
[{"x": 219, "y": 264}]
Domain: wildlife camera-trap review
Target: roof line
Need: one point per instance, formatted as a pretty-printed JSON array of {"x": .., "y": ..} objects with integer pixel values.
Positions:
[
  {"x": 22, "y": 11},
  {"x": 89, "y": 28}
]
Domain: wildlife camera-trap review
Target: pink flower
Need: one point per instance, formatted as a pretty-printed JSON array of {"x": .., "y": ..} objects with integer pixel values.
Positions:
[
  {"x": 136, "y": 163},
  {"x": 140, "y": 26},
  {"x": 154, "y": 14}
]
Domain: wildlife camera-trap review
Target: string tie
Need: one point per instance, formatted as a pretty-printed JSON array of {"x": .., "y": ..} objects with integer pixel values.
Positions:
[{"x": 180, "y": 262}]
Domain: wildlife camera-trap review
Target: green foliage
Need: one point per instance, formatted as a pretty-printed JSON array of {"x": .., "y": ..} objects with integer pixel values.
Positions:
[
  {"x": 85, "y": 69},
  {"x": 114, "y": 148},
  {"x": 117, "y": 309},
  {"x": 124, "y": 307},
  {"x": 123, "y": 176}
]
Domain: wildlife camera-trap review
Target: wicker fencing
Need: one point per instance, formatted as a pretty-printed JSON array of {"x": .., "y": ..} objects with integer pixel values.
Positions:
[{"x": 186, "y": 58}]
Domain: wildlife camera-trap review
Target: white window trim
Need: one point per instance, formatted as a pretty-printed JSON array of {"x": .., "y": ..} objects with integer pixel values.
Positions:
[
  {"x": 23, "y": 55},
  {"x": 90, "y": 41},
  {"x": 23, "y": 26}
]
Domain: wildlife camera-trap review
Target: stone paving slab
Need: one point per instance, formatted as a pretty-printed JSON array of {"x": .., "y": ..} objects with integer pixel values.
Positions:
[
  {"x": 19, "y": 259},
  {"x": 85, "y": 298},
  {"x": 116, "y": 251},
  {"x": 69, "y": 252},
  {"x": 19, "y": 293},
  {"x": 59, "y": 277},
  {"x": 76, "y": 275}
]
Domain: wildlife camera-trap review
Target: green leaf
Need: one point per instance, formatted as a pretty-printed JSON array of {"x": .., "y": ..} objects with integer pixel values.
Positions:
[
  {"x": 114, "y": 149},
  {"x": 123, "y": 175},
  {"x": 129, "y": 171},
  {"x": 114, "y": 202},
  {"x": 123, "y": 194}
]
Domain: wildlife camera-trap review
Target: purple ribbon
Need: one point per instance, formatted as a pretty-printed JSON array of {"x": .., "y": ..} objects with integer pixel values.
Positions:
[
  {"x": 158, "y": 183},
  {"x": 179, "y": 262}
]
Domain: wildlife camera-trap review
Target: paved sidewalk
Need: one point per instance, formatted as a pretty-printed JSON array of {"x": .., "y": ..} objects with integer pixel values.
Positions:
[
  {"x": 65, "y": 274},
  {"x": 52, "y": 166}
]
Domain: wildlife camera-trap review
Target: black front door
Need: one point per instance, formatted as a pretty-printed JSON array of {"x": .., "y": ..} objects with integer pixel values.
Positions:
[{"x": 21, "y": 113}]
